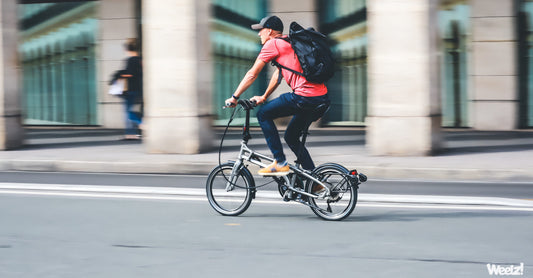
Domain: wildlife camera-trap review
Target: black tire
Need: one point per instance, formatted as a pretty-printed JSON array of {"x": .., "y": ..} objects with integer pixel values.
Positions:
[
  {"x": 235, "y": 201},
  {"x": 341, "y": 203}
]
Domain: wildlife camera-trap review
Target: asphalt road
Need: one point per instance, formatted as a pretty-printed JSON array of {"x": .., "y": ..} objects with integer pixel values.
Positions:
[
  {"x": 54, "y": 236},
  {"x": 113, "y": 236}
]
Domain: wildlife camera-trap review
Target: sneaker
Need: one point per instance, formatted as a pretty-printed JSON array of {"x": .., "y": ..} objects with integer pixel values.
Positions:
[
  {"x": 274, "y": 170},
  {"x": 318, "y": 189}
]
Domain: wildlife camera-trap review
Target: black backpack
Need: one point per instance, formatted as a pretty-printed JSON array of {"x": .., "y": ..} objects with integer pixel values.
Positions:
[{"x": 314, "y": 54}]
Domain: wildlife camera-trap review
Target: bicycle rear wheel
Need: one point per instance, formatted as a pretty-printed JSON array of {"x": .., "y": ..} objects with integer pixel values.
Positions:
[
  {"x": 343, "y": 198},
  {"x": 230, "y": 198}
]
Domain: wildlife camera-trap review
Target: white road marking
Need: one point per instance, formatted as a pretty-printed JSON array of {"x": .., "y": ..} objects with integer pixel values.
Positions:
[{"x": 263, "y": 197}]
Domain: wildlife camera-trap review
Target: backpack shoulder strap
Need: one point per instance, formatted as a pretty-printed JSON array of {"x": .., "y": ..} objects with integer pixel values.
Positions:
[{"x": 280, "y": 66}]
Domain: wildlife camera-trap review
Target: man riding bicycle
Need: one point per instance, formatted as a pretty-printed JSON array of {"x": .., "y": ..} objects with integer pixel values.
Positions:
[{"x": 304, "y": 97}]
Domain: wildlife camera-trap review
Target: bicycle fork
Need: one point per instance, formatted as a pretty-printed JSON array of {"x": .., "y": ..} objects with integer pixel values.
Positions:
[{"x": 230, "y": 183}]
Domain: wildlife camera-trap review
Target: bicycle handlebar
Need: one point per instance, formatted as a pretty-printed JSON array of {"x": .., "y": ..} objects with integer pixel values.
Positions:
[{"x": 245, "y": 103}]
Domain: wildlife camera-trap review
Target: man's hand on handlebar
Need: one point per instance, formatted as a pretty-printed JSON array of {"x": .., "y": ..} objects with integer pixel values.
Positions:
[
  {"x": 230, "y": 102},
  {"x": 258, "y": 99}
]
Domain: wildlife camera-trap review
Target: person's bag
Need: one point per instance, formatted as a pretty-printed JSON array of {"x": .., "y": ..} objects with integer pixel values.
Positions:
[
  {"x": 118, "y": 87},
  {"x": 313, "y": 52}
]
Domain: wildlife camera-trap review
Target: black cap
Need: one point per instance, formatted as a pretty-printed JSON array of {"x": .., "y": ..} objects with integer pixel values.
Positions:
[{"x": 273, "y": 22}]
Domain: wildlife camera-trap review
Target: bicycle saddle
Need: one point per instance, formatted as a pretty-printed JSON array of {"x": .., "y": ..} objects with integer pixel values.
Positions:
[{"x": 318, "y": 111}]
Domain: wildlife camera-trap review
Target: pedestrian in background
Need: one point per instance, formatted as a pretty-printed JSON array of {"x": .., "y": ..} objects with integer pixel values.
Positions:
[{"x": 133, "y": 93}]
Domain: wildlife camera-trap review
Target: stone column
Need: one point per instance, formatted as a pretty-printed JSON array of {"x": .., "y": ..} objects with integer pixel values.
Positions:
[
  {"x": 403, "y": 71},
  {"x": 177, "y": 76},
  {"x": 302, "y": 11},
  {"x": 11, "y": 131},
  {"x": 493, "y": 73}
]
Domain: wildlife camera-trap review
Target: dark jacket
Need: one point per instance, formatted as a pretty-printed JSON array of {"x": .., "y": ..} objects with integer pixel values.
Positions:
[{"x": 133, "y": 68}]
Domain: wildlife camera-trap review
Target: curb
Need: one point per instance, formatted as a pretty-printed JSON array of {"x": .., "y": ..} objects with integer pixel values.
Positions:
[
  {"x": 447, "y": 174},
  {"x": 126, "y": 167},
  {"x": 204, "y": 168}
]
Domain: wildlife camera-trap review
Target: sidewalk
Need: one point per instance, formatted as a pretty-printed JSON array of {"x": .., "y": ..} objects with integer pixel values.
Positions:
[{"x": 468, "y": 155}]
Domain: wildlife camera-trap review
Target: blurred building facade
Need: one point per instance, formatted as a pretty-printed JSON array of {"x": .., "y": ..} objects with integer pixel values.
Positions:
[
  {"x": 68, "y": 52},
  {"x": 57, "y": 51},
  {"x": 481, "y": 50}
]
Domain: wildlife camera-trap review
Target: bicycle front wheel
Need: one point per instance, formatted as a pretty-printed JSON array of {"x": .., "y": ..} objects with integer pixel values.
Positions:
[
  {"x": 343, "y": 194},
  {"x": 229, "y": 195}
]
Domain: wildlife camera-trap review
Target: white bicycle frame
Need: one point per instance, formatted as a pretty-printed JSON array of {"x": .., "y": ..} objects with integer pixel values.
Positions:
[{"x": 247, "y": 154}]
